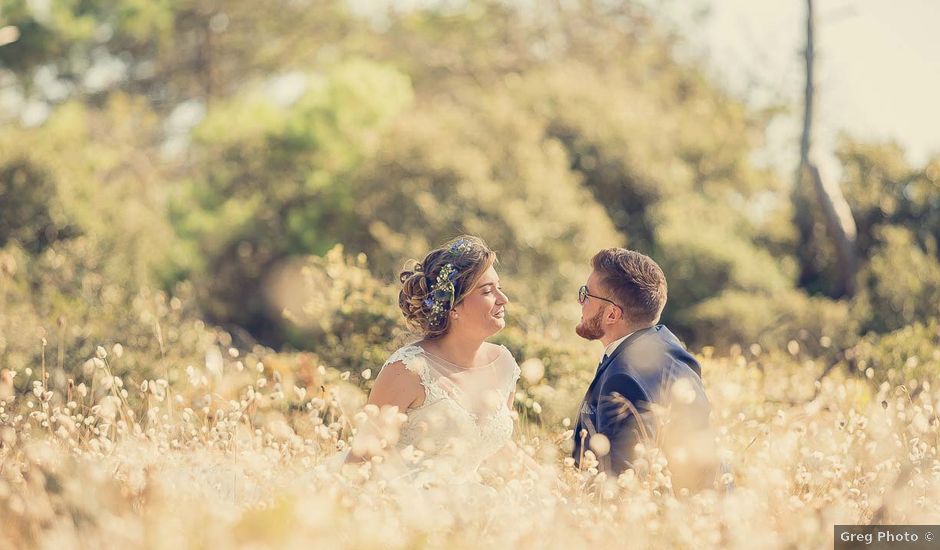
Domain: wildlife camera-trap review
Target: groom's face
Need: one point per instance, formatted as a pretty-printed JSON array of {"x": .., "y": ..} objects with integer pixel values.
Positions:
[{"x": 593, "y": 310}]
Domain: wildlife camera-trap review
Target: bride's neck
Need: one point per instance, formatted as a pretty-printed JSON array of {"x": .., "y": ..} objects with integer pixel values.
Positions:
[{"x": 459, "y": 350}]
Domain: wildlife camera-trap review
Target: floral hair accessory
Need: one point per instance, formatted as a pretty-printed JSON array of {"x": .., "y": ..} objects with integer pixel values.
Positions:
[
  {"x": 441, "y": 298},
  {"x": 460, "y": 246}
]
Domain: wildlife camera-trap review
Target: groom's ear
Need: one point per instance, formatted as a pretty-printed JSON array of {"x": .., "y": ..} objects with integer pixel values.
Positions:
[{"x": 614, "y": 313}]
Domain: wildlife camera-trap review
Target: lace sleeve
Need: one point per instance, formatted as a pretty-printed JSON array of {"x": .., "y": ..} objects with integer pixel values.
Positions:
[
  {"x": 407, "y": 355},
  {"x": 411, "y": 357},
  {"x": 516, "y": 371}
]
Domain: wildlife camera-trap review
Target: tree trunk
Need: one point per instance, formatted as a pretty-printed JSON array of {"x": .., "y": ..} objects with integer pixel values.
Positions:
[
  {"x": 809, "y": 55},
  {"x": 840, "y": 225}
]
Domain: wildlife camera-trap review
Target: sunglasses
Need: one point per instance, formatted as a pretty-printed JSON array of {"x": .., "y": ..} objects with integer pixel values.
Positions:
[{"x": 583, "y": 296}]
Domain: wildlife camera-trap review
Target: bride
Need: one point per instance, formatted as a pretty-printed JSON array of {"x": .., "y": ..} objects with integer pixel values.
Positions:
[{"x": 455, "y": 388}]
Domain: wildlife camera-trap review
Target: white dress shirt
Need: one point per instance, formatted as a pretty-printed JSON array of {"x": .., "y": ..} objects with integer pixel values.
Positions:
[{"x": 613, "y": 346}]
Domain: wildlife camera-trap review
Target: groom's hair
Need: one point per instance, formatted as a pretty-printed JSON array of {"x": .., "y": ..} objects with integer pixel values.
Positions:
[{"x": 635, "y": 281}]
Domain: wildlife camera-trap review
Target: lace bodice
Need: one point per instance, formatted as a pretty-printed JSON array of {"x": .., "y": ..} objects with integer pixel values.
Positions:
[{"x": 465, "y": 416}]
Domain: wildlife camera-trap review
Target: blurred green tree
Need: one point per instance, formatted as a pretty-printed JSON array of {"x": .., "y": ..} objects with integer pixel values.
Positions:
[
  {"x": 271, "y": 181},
  {"x": 551, "y": 134}
]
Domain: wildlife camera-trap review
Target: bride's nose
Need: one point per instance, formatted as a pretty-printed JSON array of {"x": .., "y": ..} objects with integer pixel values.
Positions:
[{"x": 501, "y": 297}]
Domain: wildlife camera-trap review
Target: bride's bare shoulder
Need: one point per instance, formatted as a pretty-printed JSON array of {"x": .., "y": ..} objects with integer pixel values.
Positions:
[
  {"x": 397, "y": 372},
  {"x": 397, "y": 384}
]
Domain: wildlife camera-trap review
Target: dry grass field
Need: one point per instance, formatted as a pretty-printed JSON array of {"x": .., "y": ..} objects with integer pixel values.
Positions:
[{"x": 238, "y": 456}]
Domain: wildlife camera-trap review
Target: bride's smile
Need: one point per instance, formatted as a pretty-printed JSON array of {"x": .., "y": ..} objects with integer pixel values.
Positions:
[{"x": 482, "y": 313}]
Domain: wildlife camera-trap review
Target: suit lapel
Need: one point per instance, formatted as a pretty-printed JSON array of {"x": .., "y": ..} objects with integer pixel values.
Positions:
[
  {"x": 610, "y": 359},
  {"x": 584, "y": 420},
  {"x": 619, "y": 349}
]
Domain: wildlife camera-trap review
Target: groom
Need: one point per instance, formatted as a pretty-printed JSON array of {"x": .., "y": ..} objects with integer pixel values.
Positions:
[{"x": 647, "y": 388}]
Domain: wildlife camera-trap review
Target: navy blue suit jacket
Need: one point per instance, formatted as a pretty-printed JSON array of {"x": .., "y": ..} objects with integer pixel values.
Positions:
[{"x": 641, "y": 370}]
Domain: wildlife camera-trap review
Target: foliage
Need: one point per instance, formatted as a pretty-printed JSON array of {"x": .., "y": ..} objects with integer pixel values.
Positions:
[
  {"x": 773, "y": 320},
  {"x": 901, "y": 282},
  {"x": 516, "y": 193},
  {"x": 335, "y": 306},
  {"x": 906, "y": 360},
  {"x": 58, "y": 307},
  {"x": 898, "y": 215},
  {"x": 274, "y": 181},
  {"x": 686, "y": 196},
  {"x": 883, "y": 190},
  {"x": 81, "y": 246},
  {"x": 549, "y": 136}
]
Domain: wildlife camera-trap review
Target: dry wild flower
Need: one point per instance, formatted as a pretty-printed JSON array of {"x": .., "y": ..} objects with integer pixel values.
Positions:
[{"x": 854, "y": 452}]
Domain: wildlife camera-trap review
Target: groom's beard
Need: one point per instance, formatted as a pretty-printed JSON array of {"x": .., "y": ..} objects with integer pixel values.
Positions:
[{"x": 591, "y": 329}]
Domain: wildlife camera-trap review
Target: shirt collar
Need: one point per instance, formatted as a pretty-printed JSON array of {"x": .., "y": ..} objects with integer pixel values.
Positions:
[{"x": 613, "y": 345}]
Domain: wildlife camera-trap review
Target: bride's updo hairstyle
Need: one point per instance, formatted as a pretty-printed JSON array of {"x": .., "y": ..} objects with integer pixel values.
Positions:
[{"x": 432, "y": 287}]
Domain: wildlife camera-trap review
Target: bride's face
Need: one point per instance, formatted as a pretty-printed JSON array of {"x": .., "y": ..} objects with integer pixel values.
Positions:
[{"x": 483, "y": 310}]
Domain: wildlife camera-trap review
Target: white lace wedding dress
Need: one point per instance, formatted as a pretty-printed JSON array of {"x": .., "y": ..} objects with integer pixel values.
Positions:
[
  {"x": 465, "y": 416},
  {"x": 464, "y": 419}
]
